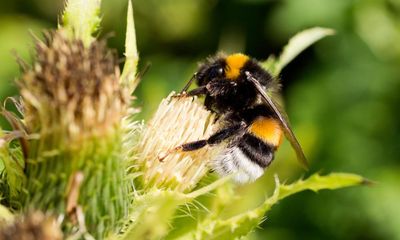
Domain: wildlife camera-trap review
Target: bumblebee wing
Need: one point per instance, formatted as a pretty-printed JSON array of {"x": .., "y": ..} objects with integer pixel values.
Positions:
[{"x": 282, "y": 119}]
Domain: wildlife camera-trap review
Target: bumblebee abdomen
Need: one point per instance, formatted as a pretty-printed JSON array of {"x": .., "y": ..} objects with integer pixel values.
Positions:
[
  {"x": 246, "y": 159},
  {"x": 267, "y": 129}
]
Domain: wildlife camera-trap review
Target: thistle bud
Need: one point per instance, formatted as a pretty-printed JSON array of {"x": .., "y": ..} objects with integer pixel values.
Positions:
[{"x": 74, "y": 104}]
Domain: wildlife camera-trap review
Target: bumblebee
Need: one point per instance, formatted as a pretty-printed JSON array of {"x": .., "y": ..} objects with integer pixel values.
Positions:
[{"x": 252, "y": 124}]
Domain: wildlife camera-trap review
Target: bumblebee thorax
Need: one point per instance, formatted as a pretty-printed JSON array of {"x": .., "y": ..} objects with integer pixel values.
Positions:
[{"x": 234, "y": 63}]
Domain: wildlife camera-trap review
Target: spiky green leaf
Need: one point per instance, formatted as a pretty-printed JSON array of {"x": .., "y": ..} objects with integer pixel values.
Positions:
[{"x": 242, "y": 224}]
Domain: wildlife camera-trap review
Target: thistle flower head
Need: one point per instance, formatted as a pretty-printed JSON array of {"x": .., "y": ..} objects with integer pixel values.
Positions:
[
  {"x": 73, "y": 88},
  {"x": 176, "y": 121}
]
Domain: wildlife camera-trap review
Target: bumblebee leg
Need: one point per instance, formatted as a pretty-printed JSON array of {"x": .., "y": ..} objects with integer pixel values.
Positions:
[
  {"x": 216, "y": 138},
  {"x": 220, "y": 87},
  {"x": 223, "y": 134},
  {"x": 195, "y": 92},
  {"x": 191, "y": 146}
]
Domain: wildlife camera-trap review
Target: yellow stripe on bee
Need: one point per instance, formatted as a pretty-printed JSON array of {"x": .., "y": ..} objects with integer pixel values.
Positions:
[
  {"x": 268, "y": 130},
  {"x": 234, "y": 63}
]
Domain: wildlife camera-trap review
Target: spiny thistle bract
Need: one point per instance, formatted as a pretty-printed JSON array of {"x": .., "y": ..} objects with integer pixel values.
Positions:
[{"x": 77, "y": 155}]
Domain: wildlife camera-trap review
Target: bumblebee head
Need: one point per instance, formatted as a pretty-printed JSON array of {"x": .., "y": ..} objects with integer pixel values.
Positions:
[{"x": 213, "y": 68}]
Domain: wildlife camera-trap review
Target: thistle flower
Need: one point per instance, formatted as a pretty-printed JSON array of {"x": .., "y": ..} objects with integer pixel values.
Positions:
[{"x": 175, "y": 122}]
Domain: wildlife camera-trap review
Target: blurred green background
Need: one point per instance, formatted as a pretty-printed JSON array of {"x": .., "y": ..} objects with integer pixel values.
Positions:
[{"x": 342, "y": 94}]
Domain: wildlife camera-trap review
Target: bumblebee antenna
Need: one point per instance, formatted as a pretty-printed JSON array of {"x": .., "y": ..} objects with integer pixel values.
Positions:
[
  {"x": 284, "y": 123},
  {"x": 189, "y": 83}
]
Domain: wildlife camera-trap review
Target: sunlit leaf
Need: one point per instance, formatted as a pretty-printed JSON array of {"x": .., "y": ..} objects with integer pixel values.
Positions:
[
  {"x": 240, "y": 225},
  {"x": 295, "y": 46}
]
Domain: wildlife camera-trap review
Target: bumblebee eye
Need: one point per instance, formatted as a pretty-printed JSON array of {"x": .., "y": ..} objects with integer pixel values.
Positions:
[{"x": 220, "y": 71}]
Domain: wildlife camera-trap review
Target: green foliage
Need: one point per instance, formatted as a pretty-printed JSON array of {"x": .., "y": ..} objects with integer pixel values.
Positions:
[
  {"x": 146, "y": 221},
  {"x": 213, "y": 227}
]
